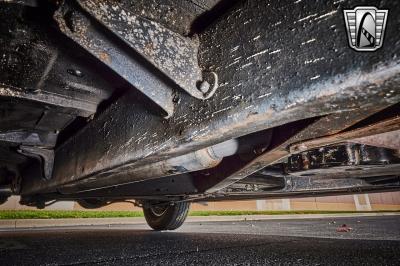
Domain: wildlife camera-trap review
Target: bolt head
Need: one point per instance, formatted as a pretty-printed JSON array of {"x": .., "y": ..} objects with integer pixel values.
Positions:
[{"x": 204, "y": 87}]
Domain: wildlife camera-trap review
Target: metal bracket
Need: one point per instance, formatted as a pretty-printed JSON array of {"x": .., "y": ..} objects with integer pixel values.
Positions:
[
  {"x": 32, "y": 3},
  {"x": 172, "y": 53},
  {"x": 169, "y": 52},
  {"x": 45, "y": 156},
  {"x": 43, "y": 139},
  {"x": 78, "y": 26}
]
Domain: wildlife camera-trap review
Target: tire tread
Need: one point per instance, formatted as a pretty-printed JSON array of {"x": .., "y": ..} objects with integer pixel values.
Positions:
[{"x": 174, "y": 217}]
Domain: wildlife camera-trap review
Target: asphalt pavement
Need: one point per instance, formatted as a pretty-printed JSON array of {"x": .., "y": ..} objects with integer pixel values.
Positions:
[{"x": 371, "y": 241}]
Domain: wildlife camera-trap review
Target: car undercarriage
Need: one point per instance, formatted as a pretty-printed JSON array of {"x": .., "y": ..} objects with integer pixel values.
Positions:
[{"x": 178, "y": 101}]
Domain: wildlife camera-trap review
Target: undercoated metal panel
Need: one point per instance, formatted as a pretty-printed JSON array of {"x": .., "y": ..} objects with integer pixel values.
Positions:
[
  {"x": 32, "y": 138},
  {"x": 195, "y": 161},
  {"x": 172, "y": 53},
  {"x": 36, "y": 70},
  {"x": 46, "y": 84},
  {"x": 390, "y": 140},
  {"x": 83, "y": 108},
  {"x": 345, "y": 160},
  {"x": 165, "y": 189},
  {"x": 43, "y": 155},
  {"x": 276, "y": 64},
  {"x": 386, "y": 125},
  {"x": 128, "y": 65},
  {"x": 176, "y": 15}
]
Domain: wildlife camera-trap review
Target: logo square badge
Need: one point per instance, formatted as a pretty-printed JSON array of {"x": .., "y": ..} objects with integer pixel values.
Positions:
[{"x": 365, "y": 27}]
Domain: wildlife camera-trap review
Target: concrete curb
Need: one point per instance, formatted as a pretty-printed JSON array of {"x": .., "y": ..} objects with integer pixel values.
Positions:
[
  {"x": 42, "y": 223},
  {"x": 38, "y": 223}
]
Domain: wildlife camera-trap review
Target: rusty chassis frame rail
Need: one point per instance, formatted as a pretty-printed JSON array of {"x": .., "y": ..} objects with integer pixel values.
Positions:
[{"x": 282, "y": 67}]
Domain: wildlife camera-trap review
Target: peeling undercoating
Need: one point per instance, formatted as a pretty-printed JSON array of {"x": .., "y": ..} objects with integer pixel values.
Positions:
[
  {"x": 172, "y": 53},
  {"x": 36, "y": 73},
  {"x": 178, "y": 16},
  {"x": 86, "y": 108},
  {"x": 267, "y": 78},
  {"x": 83, "y": 32}
]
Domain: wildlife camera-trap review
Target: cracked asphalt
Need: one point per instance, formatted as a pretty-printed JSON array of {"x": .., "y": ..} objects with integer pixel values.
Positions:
[{"x": 372, "y": 241}]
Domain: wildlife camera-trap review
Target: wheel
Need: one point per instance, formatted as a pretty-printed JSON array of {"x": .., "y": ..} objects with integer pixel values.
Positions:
[
  {"x": 3, "y": 200},
  {"x": 91, "y": 203},
  {"x": 166, "y": 217}
]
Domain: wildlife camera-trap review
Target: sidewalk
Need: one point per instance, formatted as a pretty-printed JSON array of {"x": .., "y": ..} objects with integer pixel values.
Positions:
[{"x": 40, "y": 223}]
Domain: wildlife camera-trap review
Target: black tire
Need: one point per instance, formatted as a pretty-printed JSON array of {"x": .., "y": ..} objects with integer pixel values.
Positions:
[
  {"x": 167, "y": 217},
  {"x": 91, "y": 203},
  {"x": 3, "y": 200}
]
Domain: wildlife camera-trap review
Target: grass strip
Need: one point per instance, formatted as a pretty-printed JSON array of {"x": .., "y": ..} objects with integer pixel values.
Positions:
[{"x": 55, "y": 214}]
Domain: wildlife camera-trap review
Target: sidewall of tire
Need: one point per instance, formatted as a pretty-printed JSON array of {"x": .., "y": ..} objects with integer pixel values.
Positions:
[
  {"x": 173, "y": 217},
  {"x": 91, "y": 203},
  {"x": 3, "y": 200}
]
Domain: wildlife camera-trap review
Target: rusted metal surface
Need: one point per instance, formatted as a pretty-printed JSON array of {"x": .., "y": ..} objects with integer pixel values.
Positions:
[
  {"x": 80, "y": 28},
  {"x": 328, "y": 125},
  {"x": 348, "y": 160},
  {"x": 165, "y": 189},
  {"x": 286, "y": 148},
  {"x": 36, "y": 70},
  {"x": 176, "y": 15},
  {"x": 32, "y": 138},
  {"x": 337, "y": 122},
  {"x": 302, "y": 184},
  {"x": 388, "y": 125},
  {"x": 194, "y": 161},
  {"x": 73, "y": 106},
  {"x": 276, "y": 80},
  {"x": 308, "y": 187},
  {"x": 369, "y": 167},
  {"x": 172, "y": 53},
  {"x": 390, "y": 140},
  {"x": 45, "y": 84},
  {"x": 32, "y": 3}
]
